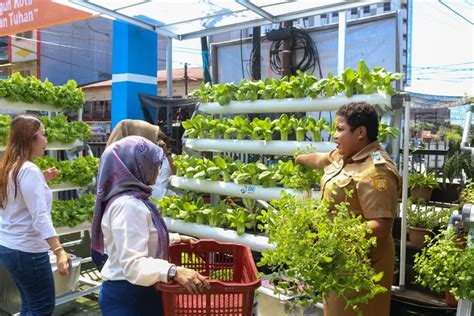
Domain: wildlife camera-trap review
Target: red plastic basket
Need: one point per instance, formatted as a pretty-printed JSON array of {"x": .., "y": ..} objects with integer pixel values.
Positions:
[{"x": 232, "y": 275}]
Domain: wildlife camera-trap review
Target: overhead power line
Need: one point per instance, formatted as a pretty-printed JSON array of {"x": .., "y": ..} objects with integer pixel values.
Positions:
[
  {"x": 456, "y": 12},
  {"x": 443, "y": 66}
]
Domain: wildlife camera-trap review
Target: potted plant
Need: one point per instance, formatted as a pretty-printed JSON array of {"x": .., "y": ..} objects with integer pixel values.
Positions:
[
  {"x": 445, "y": 267},
  {"x": 421, "y": 220},
  {"x": 422, "y": 185}
]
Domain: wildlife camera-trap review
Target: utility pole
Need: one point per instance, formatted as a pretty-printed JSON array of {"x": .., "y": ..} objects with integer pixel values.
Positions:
[
  {"x": 287, "y": 56},
  {"x": 186, "y": 79},
  {"x": 256, "y": 71}
]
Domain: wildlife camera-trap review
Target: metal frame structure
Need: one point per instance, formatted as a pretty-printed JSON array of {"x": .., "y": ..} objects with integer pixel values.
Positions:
[
  {"x": 252, "y": 13},
  {"x": 261, "y": 14}
]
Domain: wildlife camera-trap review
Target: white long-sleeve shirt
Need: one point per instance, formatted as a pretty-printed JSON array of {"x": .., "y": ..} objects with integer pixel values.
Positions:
[
  {"x": 26, "y": 220},
  {"x": 131, "y": 241}
]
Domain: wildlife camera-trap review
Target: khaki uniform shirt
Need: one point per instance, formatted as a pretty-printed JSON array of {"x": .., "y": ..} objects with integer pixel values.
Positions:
[{"x": 376, "y": 184}]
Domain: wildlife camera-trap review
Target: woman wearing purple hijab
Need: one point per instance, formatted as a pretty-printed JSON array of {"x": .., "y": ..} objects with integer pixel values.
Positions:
[{"x": 129, "y": 228}]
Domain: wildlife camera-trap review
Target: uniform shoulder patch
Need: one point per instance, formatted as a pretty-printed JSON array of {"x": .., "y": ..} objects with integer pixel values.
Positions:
[
  {"x": 380, "y": 182},
  {"x": 377, "y": 157}
]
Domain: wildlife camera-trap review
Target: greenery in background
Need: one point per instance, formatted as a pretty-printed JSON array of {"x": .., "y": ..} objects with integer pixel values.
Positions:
[
  {"x": 420, "y": 180},
  {"x": 319, "y": 251},
  {"x": 467, "y": 194},
  {"x": 422, "y": 215},
  {"x": 81, "y": 172},
  {"x": 58, "y": 129},
  {"x": 450, "y": 132},
  {"x": 417, "y": 126},
  {"x": 73, "y": 212},
  {"x": 444, "y": 266},
  {"x": 457, "y": 164},
  {"x": 360, "y": 81},
  {"x": 29, "y": 89},
  {"x": 281, "y": 173},
  {"x": 5, "y": 122}
]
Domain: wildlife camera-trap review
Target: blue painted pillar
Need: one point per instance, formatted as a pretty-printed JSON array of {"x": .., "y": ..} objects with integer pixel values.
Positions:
[{"x": 134, "y": 69}]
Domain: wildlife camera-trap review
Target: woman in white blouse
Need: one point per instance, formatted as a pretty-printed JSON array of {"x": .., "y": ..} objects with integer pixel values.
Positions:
[
  {"x": 154, "y": 134},
  {"x": 129, "y": 228},
  {"x": 26, "y": 229}
]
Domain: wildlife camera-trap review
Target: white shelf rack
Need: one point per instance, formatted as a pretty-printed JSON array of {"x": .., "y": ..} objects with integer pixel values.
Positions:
[
  {"x": 248, "y": 191},
  {"x": 64, "y": 186},
  {"x": 6, "y": 104},
  {"x": 58, "y": 146},
  {"x": 295, "y": 105},
  {"x": 274, "y": 147},
  {"x": 279, "y": 148},
  {"x": 64, "y": 230},
  {"x": 255, "y": 242}
]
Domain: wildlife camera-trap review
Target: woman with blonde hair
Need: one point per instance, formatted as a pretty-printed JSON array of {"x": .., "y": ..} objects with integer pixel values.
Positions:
[{"x": 26, "y": 229}]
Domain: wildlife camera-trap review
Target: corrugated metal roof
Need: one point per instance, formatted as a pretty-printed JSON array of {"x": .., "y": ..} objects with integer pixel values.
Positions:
[{"x": 194, "y": 74}]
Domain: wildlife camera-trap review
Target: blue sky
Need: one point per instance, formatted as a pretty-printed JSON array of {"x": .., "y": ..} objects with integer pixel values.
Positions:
[
  {"x": 443, "y": 47},
  {"x": 442, "y": 51},
  {"x": 187, "y": 51}
]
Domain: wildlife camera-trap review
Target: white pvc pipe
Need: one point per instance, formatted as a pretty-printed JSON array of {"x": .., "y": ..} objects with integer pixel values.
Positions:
[
  {"x": 294, "y": 105},
  {"x": 403, "y": 211},
  {"x": 274, "y": 147},
  {"x": 78, "y": 228},
  {"x": 169, "y": 69},
  {"x": 247, "y": 191},
  {"x": 64, "y": 186},
  {"x": 341, "y": 42},
  {"x": 465, "y": 135},
  {"x": 467, "y": 126},
  {"x": 256, "y": 243},
  {"x": 57, "y": 146},
  {"x": 5, "y": 104}
]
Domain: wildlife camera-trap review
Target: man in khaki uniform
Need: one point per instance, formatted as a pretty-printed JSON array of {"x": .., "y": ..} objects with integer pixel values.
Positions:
[{"x": 361, "y": 165}]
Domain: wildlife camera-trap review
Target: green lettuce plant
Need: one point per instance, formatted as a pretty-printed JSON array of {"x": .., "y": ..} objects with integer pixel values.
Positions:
[
  {"x": 240, "y": 219},
  {"x": 73, "y": 212},
  {"x": 284, "y": 126},
  {"x": 29, "y": 89},
  {"x": 360, "y": 81}
]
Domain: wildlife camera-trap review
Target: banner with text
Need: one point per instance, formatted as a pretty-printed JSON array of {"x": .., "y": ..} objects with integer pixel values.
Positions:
[{"x": 24, "y": 15}]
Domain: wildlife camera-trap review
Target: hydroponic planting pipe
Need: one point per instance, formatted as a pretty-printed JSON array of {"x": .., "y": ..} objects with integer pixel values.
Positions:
[
  {"x": 465, "y": 307},
  {"x": 465, "y": 135}
]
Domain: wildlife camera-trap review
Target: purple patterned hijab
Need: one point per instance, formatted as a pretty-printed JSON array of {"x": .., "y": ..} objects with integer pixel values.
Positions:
[{"x": 128, "y": 167}]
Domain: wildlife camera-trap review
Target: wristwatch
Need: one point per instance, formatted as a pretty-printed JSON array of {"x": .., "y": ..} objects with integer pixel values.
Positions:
[{"x": 172, "y": 272}]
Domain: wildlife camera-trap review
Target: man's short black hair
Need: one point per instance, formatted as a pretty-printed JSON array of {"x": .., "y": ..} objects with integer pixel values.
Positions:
[{"x": 361, "y": 114}]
